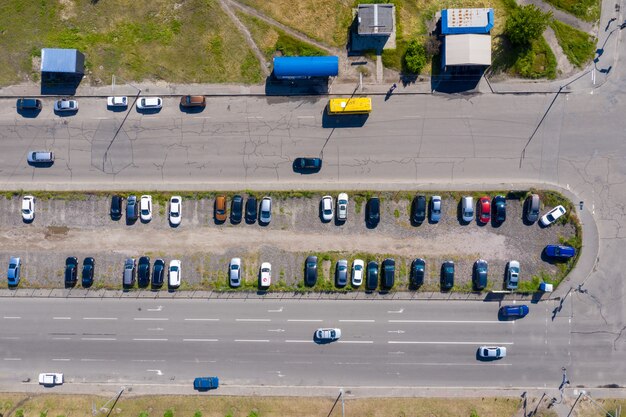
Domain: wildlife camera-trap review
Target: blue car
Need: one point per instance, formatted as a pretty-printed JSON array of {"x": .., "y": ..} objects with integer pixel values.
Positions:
[
  {"x": 560, "y": 251},
  {"x": 13, "y": 274},
  {"x": 206, "y": 383},
  {"x": 513, "y": 312}
]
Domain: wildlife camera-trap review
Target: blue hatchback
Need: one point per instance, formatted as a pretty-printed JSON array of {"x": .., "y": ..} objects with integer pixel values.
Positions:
[
  {"x": 513, "y": 312},
  {"x": 560, "y": 251}
]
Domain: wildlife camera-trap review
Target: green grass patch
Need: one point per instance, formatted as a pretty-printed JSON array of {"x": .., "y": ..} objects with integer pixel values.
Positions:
[
  {"x": 578, "y": 46},
  {"x": 536, "y": 61},
  {"x": 588, "y": 10}
]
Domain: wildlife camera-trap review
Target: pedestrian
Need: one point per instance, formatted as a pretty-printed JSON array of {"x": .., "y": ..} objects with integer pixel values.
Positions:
[{"x": 393, "y": 87}]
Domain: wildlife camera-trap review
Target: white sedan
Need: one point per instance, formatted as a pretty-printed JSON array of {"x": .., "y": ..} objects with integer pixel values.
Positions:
[
  {"x": 174, "y": 274},
  {"x": 327, "y": 335},
  {"x": 327, "y": 208},
  {"x": 119, "y": 101},
  {"x": 51, "y": 379},
  {"x": 357, "y": 272},
  {"x": 492, "y": 352},
  {"x": 342, "y": 207},
  {"x": 266, "y": 274},
  {"x": 147, "y": 103},
  {"x": 552, "y": 216},
  {"x": 145, "y": 208},
  {"x": 28, "y": 208},
  {"x": 64, "y": 105},
  {"x": 175, "y": 214}
]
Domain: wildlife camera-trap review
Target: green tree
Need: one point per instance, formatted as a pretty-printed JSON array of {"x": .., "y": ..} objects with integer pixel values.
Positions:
[
  {"x": 525, "y": 24},
  {"x": 415, "y": 57}
]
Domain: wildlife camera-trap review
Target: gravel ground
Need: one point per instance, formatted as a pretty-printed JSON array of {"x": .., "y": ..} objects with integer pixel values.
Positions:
[{"x": 82, "y": 227}]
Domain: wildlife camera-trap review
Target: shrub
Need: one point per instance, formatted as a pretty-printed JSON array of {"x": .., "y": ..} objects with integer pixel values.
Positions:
[
  {"x": 168, "y": 413},
  {"x": 415, "y": 57},
  {"x": 526, "y": 24}
]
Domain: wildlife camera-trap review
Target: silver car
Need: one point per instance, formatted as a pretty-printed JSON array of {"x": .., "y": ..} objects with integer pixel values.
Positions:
[
  {"x": 467, "y": 209},
  {"x": 265, "y": 215},
  {"x": 435, "y": 208},
  {"x": 512, "y": 275},
  {"x": 64, "y": 105},
  {"x": 341, "y": 273},
  {"x": 234, "y": 272},
  {"x": 342, "y": 207}
]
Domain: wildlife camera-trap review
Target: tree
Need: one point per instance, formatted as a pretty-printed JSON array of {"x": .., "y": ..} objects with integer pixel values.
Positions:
[
  {"x": 525, "y": 24},
  {"x": 415, "y": 57}
]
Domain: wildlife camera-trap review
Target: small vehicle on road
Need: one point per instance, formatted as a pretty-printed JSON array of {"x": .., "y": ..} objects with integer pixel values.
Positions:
[
  {"x": 307, "y": 164},
  {"x": 552, "y": 216},
  {"x": 491, "y": 352},
  {"x": 149, "y": 103},
  {"x": 327, "y": 335},
  {"x": 206, "y": 383},
  {"x": 517, "y": 311},
  {"x": 40, "y": 157},
  {"x": 28, "y": 208},
  {"x": 65, "y": 105},
  {"x": 117, "y": 101},
  {"x": 50, "y": 379}
]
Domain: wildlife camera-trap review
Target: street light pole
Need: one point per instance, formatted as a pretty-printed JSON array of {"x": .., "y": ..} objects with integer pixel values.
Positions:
[{"x": 342, "y": 403}]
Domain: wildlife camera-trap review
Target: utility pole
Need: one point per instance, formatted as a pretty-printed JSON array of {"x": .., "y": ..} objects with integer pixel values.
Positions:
[{"x": 342, "y": 403}]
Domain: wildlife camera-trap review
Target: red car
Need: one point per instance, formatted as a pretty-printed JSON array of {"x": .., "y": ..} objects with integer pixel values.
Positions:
[{"x": 484, "y": 209}]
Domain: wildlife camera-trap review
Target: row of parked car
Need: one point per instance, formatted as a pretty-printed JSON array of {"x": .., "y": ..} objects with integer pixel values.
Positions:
[{"x": 66, "y": 105}]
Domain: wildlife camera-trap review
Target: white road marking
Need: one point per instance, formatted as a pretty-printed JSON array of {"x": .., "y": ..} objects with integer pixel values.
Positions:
[
  {"x": 353, "y": 363},
  {"x": 451, "y": 321},
  {"x": 158, "y": 371},
  {"x": 356, "y": 341},
  {"x": 150, "y": 340},
  {"x": 298, "y": 341},
  {"x": 99, "y": 318},
  {"x": 253, "y": 320},
  {"x": 251, "y": 340},
  {"x": 61, "y": 318},
  {"x": 61, "y": 359},
  {"x": 399, "y": 342},
  {"x": 357, "y": 321},
  {"x": 299, "y": 363},
  {"x": 98, "y": 338},
  {"x": 275, "y": 330},
  {"x": 280, "y": 310},
  {"x": 156, "y": 329},
  {"x": 199, "y": 361},
  {"x": 159, "y": 308},
  {"x": 200, "y": 340},
  {"x": 396, "y": 311},
  {"x": 12, "y": 317},
  {"x": 147, "y": 360},
  {"x": 255, "y": 117},
  {"x": 306, "y": 320},
  {"x": 306, "y": 117},
  {"x": 151, "y": 319},
  {"x": 449, "y": 364},
  {"x": 395, "y": 331},
  {"x": 97, "y": 360},
  {"x": 9, "y": 338},
  {"x": 12, "y": 359},
  {"x": 61, "y": 338},
  {"x": 202, "y": 319},
  {"x": 396, "y": 353}
]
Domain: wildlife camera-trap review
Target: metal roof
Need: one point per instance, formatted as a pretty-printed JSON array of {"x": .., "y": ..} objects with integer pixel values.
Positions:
[
  {"x": 469, "y": 49},
  {"x": 375, "y": 19},
  {"x": 62, "y": 60},
  {"x": 458, "y": 21}
]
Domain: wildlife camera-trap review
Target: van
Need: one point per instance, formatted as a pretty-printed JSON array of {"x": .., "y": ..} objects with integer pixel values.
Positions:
[
  {"x": 40, "y": 157},
  {"x": 532, "y": 208}
]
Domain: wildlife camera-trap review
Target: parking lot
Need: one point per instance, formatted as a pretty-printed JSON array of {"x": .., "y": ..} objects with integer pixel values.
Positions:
[{"x": 81, "y": 226}]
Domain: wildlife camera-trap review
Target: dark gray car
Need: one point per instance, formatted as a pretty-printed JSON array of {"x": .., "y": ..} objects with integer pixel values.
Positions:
[
  {"x": 129, "y": 273},
  {"x": 310, "y": 271},
  {"x": 132, "y": 211},
  {"x": 480, "y": 274}
]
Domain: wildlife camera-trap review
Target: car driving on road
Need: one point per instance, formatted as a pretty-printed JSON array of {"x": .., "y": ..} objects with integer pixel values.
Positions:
[
  {"x": 65, "y": 105},
  {"x": 517, "y": 311},
  {"x": 327, "y": 335},
  {"x": 491, "y": 352},
  {"x": 50, "y": 379}
]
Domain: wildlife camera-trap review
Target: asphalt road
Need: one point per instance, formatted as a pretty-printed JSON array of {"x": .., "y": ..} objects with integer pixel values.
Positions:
[{"x": 261, "y": 342}]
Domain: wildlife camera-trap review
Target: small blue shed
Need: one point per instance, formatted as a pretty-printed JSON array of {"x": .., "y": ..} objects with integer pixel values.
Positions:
[
  {"x": 466, "y": 21},
  {"x": 290, "y": 67},
  {"x": 62, "y": 61}
]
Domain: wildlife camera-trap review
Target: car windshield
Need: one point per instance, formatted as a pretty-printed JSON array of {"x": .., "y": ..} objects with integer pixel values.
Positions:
[
  {"x": 174, "y": 269},
  {"x": 449, "y": 270},
  {"x": 342, "y": 268},
  {"x": 145, "y": 211},
  {"x": 550, "y": 217},
  {"x": 234, "y": 267},
  {"x": 332, "y": 333},
  {"x": 311, "y": 265},
  {"x": 265, "y": 270},
  {"x": 358, "y": 268}
]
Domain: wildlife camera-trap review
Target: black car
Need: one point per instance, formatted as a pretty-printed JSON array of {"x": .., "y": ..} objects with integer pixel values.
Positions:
[
  {"x": 418, "y": 209},
  {"x": 479, "y": 277},
  {"x": 71, "y": 268},
  {"x": 157, "y": 273},
  {"x": 87, "y": 275},
  {"x": 143, "y": 272},
  {"x": 116, "y": 207},
  {"x": 132, "y": 211},
  {"x": 307, "y": 164},
  {"x": 388, "y": 274},
  {"x": 371, "y": 277},
  {"x": 447, "y": 275},
  {"x": 31, "y": 104},
  {"x": 372, "y": 211},
  {"x": 310, "y": 271},
  {"x": 418, "y": 269},
  {"x": 236, "y": 209},
  {"x": 499, "y": 209},
  {"x": 251, "y": 210}
]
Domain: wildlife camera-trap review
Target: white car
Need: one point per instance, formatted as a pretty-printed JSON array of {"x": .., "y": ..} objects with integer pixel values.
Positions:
[
  {"x": 65, "y": 105},
  {"x": 149, "y": 103},
  {"x": 174, "y": 274},
  {"x": 327, "y": 208},
  {"x": 234, "y": 272},
  {"x": 467, "y": 209},
  {"x": 28, "y": 208},
  {"x": 551, "y": 216},
  {"x": 51, "y": 379},
  {"x": 119, "y": 101},
  {"x": 145, "y": 208},
  {"x": 492, "y": 352},
  {"x": 357, "y": 272},
  {"x": 327, "y": 335},
  {"x": 176, "y": 207},
  {"x": 342, "y": 207},
  {"x": 266, "y": 274}
]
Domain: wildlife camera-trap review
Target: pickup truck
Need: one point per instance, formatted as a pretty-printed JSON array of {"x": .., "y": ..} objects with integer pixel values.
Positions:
[
  {"x": 206, "y": 383},
  {"x": 50, "y": 379}
]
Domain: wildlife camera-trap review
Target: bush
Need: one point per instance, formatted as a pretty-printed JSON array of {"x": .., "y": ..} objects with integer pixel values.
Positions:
[
  {"x": 578, "y": 46},
  {"x": 415, "y": 57},
  {"x": 168, "y": 413},
  {"x": 526, "y": 24}
]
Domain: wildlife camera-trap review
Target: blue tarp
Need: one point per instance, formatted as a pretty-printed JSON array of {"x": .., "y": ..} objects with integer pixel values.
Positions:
[
  {"x": 306, "y": 66},
  {"x": 466, "y": 28},
  {"x": 62, "y": 61}
]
